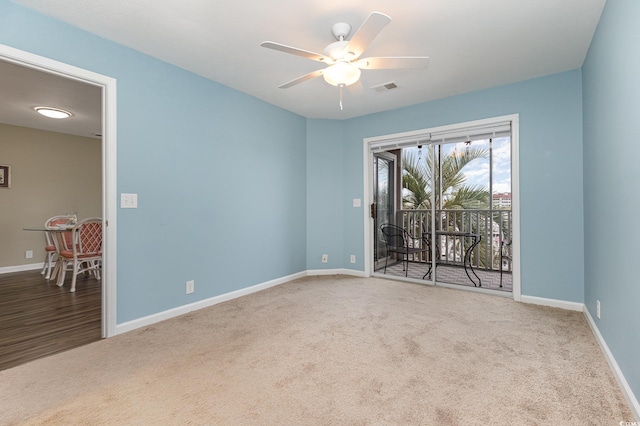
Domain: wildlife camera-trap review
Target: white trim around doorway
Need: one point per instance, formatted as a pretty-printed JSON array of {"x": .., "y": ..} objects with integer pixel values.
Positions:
[
  {"x": 406, "y": 138},
  {"x": 109, "y": 194}
]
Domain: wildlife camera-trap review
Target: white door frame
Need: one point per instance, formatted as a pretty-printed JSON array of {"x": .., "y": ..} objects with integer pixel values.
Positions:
[
  {"x": 404, "y": 139},
  {"x": 109, "y": 195}
]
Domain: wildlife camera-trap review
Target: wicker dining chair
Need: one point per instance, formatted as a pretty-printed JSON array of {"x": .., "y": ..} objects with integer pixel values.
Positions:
[
  {"x": 51, "y": 241},
  {"x": 85, "y": 254}
]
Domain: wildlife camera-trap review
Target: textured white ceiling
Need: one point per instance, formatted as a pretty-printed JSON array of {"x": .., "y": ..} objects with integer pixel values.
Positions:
[{"x": 472, "y": 44}]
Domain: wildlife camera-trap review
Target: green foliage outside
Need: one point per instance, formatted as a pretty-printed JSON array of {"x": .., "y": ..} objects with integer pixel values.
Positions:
[{"x": 455, "y": 192}]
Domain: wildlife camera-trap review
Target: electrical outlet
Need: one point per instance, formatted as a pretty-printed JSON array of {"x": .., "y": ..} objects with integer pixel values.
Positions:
[
  {"x": 28, "y": 254},
  {"x": 598, "y": 309},
  {"x": 353, "y": 258},
  {"x": 325, "y": 258},
  {"x": 191, "y": 286}
]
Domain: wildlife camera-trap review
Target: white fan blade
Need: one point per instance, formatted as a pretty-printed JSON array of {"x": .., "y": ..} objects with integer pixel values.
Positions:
[
  {"x": 367, "y": 32},
  {"x": 301, "y": 79},
  {"x": 393, "y": 62},
  {"x": 295, "y": 51}
]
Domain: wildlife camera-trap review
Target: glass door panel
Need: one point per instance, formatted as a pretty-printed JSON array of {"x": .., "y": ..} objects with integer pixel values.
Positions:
[
  {"x": 383, "y": 201},
  {"x": 465, "y": 227}
]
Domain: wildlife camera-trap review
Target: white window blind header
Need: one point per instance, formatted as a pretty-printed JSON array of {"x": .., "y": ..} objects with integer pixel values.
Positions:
[
  {"x": 454, "y": 135},
  {"x": 390, "y": 144}
]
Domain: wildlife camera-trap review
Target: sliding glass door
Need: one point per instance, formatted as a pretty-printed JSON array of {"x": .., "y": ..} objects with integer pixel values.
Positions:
[{"x": 454, "y": 202}]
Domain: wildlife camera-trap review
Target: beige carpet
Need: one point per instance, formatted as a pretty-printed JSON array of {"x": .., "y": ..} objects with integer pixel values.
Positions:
[{"x": 332, "y": 351}]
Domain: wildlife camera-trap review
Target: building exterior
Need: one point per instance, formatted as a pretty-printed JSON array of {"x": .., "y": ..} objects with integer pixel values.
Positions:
[{"x": 502, "y": 200}]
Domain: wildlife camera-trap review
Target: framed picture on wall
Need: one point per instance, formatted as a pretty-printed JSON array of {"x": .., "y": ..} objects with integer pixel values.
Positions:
[{"x": 5, "y": 176}]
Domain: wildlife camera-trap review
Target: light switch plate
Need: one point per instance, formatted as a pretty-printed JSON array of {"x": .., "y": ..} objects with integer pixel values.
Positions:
[
  {"x": 357, "y": 202},
  {"x": 128, "y": 201}
]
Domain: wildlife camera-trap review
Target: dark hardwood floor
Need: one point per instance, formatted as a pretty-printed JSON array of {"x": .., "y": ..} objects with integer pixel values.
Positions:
[{"x": 38, "y": 318}]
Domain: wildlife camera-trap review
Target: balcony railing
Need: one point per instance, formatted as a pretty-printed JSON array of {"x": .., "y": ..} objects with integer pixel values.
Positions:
[{"x": 493, "y": 226}]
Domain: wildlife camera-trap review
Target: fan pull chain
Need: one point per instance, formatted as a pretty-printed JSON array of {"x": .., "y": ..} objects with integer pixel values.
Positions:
[{"x": 341, "y": 86}]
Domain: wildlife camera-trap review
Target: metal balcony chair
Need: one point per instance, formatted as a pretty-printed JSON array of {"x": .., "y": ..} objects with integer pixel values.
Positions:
[
  {"x": 85, "y": 255},
  {"x": 506, "y": 254},
  {"x": 398, "y": 240}
]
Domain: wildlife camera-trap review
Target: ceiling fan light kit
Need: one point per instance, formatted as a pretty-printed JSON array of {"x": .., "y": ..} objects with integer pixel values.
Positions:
[
  {"x": 341, "y": 74},
  {"x": 343, "y": 57}
]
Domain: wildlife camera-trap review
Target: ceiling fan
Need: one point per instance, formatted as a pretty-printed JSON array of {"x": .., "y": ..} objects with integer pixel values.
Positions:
[{"x": 342, "y": 57}]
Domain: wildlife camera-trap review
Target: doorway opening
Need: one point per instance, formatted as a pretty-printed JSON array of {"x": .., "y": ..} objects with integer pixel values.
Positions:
[{"x": 107, "y": 87}]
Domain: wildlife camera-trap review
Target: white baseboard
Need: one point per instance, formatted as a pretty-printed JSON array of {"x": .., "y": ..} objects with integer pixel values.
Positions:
[
  {"x": 181, "y": 310},
  {"x": 615, "y": 368},
  {"x": 21, "y": 268},
  {"x": 554, "y": 303},
  {"x": 340, "y": 271}
]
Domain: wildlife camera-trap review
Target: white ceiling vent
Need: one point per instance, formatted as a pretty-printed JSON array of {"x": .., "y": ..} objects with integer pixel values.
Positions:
[{"x": 385, "y": 86}]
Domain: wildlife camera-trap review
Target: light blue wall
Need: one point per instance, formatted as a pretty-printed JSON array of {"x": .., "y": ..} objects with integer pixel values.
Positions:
[
  {"x": 325, "y": 194},
  {"x": 550, "y": 111},
  {"x": 611, "y": 75},
  {"x": 220, "y": 175}
]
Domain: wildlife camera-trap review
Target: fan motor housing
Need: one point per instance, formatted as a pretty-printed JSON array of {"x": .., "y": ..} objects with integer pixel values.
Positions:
[{"x": 340, "y": 30}]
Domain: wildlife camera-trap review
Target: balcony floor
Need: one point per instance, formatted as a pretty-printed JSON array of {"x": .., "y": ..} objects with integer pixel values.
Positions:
[{"x": 453, "y": 275}]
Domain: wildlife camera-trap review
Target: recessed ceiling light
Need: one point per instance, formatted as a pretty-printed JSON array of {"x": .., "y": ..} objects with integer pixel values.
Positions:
[{"x": 53, "y": 112}]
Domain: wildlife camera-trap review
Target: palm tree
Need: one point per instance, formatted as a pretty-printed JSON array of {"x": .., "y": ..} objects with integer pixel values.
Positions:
[{"x": 454, "y": 194}]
